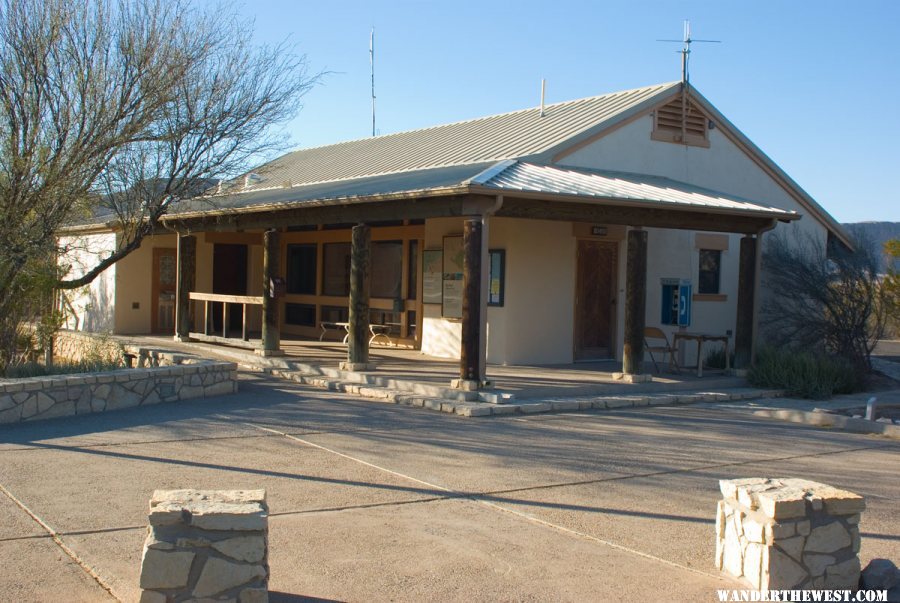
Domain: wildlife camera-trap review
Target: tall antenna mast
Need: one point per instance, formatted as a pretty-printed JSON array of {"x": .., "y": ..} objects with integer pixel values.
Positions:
[
  {"x": 372, "y": 66},
  {"x": 685, "y": 52}
]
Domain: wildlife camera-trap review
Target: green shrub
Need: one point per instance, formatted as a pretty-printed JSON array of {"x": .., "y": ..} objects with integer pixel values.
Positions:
[
  {"x": 716, "y": 359},
  {"x": 802, "y": 374},
  {"x": 34, "y": 369}
]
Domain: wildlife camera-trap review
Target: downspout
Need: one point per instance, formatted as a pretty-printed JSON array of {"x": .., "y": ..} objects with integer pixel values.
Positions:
[
  {"x": 486, "y": 279},
  {"x": 757, "y": 279}
]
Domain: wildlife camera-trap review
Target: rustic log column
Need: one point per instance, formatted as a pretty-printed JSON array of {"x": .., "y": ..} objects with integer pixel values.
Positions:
[
  {"x": 470, "y": 363},
  {"x": 271, "y": 337},
  {"x": 359, "y": 334},
  {"x": 743, "y": 328},
  {"x": 184, "y": 284},
  {"x": 635, "y": 302}
]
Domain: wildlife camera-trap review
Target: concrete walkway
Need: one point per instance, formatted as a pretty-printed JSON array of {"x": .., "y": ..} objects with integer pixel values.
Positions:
[{"x": 373, "y": 502}]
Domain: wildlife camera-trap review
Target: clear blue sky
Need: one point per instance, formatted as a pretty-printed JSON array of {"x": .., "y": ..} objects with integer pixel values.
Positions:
[{"x": 815, "y": 84}]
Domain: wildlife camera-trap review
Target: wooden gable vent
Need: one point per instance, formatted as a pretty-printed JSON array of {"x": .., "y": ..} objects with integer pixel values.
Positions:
[{"x": 681, "y": 122}]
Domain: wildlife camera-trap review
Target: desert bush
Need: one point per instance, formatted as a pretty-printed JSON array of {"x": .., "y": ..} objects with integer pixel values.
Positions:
[
  {"x": 827, "y": 302},
  {"x": 803, "y": 374},
  {"x": 716, "y": 359},
  {"x": 36, "y": 369}
]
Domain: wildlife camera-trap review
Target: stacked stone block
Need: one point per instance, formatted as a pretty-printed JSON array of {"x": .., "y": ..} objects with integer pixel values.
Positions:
[
  {"x": 206, "y": 545},
  {"x": 787, "y": 533}
]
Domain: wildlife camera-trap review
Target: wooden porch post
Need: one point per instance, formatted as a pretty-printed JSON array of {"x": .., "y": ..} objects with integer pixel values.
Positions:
[
  {"x": 184, "y": 283},
  {"x": 271, "y": 337},
  {"x": 743, "y": 331},
  {"x": 471, "y": 372},
  {"x": 358, "y": 341},
  {"x": 635, "y": 302}
]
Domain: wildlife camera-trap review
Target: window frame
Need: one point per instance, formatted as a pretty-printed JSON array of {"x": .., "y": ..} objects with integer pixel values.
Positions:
[{"x": 701, "y": 290}]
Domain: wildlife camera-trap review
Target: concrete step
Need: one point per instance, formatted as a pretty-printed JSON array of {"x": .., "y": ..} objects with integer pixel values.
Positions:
[{"x": 371, "y": 389}]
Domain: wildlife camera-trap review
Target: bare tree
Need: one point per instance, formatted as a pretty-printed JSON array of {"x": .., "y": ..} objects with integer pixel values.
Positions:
[
  {"x": 124, "y": 107},
  {"x": 827, "y": 301}
]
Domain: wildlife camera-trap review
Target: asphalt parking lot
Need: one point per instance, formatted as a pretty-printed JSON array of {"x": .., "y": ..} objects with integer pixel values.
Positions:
[{"x": 377, "y": 502}]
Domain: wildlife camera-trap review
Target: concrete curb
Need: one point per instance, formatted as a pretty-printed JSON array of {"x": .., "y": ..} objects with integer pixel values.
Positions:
[{"x": 824, "y": 419}]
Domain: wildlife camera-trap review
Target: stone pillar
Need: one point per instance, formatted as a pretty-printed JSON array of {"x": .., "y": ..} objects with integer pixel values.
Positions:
[
  {"x": 206, "y": 544},
  {"x": 471, "y": 363},
  {"x": 359, "y": 334},
  {"x": 184, "y": 284},
  {"x": 788, "y": 533},
  {"x": 271, "y": 337},
  {"x": 743, "y": 330},
  {"x": 635, "y": 302}
]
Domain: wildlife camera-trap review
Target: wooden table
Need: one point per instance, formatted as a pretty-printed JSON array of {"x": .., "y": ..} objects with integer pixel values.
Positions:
[{"x": 702, "y": 338}]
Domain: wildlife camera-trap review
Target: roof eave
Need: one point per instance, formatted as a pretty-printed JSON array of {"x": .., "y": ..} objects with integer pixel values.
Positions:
[
  {"x": 641, "y": 203},
  {"x": 334, "y": 201}
]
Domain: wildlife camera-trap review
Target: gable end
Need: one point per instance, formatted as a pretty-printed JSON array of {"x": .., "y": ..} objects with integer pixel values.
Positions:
[{"x": 681, "y": 121}]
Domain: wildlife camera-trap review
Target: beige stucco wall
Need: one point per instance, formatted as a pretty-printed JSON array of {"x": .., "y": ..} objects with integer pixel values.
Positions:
[
  {"x": 722, "y": 167},
  {"x": 127, "y": 286},
  {"x": 134, "y": 286},
  {"x": 534, "y": 326},
  {"x": 94, "y": 304},
  {"x": 671, "y": 254}
]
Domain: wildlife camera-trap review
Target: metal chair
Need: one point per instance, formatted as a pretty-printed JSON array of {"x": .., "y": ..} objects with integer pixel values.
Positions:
[{"x": 661, "y": 346}]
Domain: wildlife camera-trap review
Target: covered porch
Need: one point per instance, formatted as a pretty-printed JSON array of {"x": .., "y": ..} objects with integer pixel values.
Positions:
[
  {"x": 409, "y": 371},
  {"x": 632, "y": 206}
]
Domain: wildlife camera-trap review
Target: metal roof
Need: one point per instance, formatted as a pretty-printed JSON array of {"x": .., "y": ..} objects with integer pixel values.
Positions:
[
  {"x": 617, "y": 186},
  {"x": 512, "y": 135},
  {"x": 434, "y": 181},
  {"x": 504, "y": 177}
]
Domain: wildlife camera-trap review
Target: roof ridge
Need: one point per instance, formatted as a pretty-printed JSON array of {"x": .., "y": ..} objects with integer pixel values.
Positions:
[{"x": 660, "y": 86}]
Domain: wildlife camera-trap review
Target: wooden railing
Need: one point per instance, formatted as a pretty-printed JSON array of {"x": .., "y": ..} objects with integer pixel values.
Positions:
[{"x": 225, "y": 300}]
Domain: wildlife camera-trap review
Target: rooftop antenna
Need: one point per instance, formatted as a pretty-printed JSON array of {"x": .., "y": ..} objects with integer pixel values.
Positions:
[
  {"x": 543, "y": 89},
  {"x": 372, "y": 66},
  {"x": 685, "y": 71},
  {"x": 686, "y": 52}
]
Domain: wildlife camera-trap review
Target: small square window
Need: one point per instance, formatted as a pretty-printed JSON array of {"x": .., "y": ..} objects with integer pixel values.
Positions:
[{"x": 710, "y": 271}]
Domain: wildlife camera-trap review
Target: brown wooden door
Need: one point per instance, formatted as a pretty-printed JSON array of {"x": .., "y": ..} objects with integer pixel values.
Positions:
[
  {"x": 595, "y": 298},
  {"x": 229, "y": 278},
  {"x": 162, "y": 319}
]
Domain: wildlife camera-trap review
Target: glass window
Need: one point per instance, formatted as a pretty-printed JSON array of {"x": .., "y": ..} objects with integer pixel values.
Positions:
[
  {"x": 301, "y": 269},
  {"x": 336, "y": 269},
  {"x": 387, "y": 269},
  {"x": 300, "y": 314},
  {"x": 710, "y": 269},
  {"x": 412, "y": 272},
  {"x": 497, "y": 277}
]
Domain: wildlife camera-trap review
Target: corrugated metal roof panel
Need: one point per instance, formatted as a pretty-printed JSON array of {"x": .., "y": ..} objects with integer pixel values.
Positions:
[
  {"x": 497, "y": 137},
  {"x": 531, "y": 178},
  {"x": 420, "y": 181},
  {"x": 506, "y": 176}
]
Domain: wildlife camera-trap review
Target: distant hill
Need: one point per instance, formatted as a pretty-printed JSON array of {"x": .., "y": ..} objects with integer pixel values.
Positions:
[{"x": 876, "y": 232}]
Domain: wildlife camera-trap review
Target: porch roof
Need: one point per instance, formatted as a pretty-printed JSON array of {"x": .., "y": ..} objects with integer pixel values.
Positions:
[{"x": 509, "y": 177}]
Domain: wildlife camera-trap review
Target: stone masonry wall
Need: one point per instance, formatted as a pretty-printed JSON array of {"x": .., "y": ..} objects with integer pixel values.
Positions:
[
  {"x": 65, "y": 395},
  {"x": 74, "y": 347},
  {"x": 209, "y": 545},
  {"x": 788, "y": 533}
]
